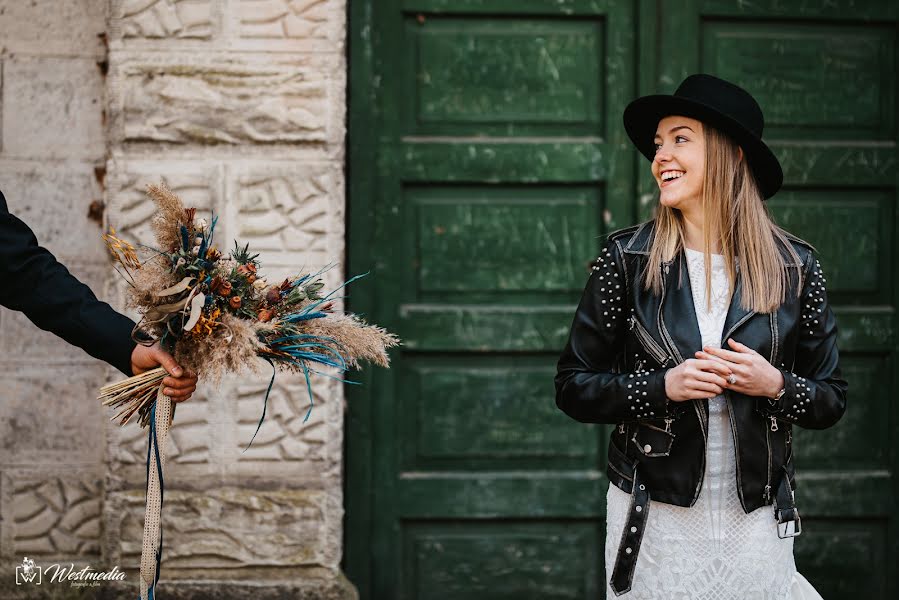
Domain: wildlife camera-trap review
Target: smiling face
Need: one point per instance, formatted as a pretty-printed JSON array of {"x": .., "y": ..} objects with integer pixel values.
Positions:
[{"x": 679, "y": 163}]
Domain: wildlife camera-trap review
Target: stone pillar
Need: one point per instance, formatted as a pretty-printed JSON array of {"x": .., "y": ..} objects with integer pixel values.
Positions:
[
  {"x": 239, "y": 106},
  {"x": 52, "y": 158}
]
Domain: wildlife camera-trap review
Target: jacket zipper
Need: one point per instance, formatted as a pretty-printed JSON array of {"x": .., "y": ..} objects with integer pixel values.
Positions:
[
  {"x": 647, "y": 342},
  {"x": 697, "y": 405},
  {"x": 766, "y": 495}
]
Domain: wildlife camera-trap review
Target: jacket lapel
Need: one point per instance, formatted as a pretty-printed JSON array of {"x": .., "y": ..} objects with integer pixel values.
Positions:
[
  {"x": 679, "y": 322},
  {"x": 736, "y": 314}
]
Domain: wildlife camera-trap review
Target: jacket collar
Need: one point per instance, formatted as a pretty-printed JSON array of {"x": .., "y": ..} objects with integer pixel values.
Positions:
[
  {"x": 679, "y": 316},
  {"x": 681, "y": 325}
]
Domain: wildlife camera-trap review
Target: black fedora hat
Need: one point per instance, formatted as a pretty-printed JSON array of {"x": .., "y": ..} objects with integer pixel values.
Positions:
[{"x": 719, "y": 103}]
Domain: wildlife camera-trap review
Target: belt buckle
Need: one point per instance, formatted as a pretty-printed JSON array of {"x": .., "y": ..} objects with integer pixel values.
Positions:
[{"x": 784, "y": 529}]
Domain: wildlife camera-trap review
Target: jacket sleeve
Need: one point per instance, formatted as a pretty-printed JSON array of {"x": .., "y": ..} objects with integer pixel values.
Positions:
[
  {"x": 36, "y": 284},
  {"x": 815, "y": 391},
  {"x": 589, "y": 387}
]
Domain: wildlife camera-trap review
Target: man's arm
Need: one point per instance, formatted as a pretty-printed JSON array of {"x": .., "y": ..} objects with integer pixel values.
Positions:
[{"x": 35, "y": 283}]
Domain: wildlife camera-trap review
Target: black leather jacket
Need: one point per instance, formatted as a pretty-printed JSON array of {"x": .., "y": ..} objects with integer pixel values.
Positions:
[{"x": 623, "y": 340}]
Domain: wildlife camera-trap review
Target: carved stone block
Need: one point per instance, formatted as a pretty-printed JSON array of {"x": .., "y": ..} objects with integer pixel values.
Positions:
[
  {"x": 287, "y": 215},
  {"x": 130, "y": 210},
  {"x": 231, "y": 528},
  {"x": 286, "y": 433},
  {"x": 55, "y": 516},
  {"x": 164, "y": 18},
  {"x": 301, "y": 19},
  {"x": 221, "y": 100}
]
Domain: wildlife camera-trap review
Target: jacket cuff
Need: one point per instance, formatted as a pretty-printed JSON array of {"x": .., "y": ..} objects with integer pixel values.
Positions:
[
  {"x": 646, "y": 395},
  {"x": 794, "y": 401}
]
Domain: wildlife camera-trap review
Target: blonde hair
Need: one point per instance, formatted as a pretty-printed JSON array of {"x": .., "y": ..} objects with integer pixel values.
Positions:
[{"x": 736, "y": 213}]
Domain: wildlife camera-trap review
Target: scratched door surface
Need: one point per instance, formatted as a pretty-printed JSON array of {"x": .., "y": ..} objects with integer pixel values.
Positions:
[
  {"x": 490, "y": 157},
  {"x": 825, "y": 75},
  {"x": 486, "y": 156}
]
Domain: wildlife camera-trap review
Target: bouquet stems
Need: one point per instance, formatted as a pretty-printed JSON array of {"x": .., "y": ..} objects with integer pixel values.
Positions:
[{"x": 134, "y": 395}]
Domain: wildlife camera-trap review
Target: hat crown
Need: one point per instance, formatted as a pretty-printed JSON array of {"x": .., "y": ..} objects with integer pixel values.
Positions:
[{"x": 724, "y": 96}]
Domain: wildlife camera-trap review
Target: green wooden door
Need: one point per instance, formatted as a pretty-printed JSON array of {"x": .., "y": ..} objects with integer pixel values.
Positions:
[
  {"x": 491, "y": 157},
  {"x": 486, "y": 156}
]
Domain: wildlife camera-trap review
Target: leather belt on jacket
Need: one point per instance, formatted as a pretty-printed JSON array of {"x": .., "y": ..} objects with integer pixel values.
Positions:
[{"x": 631, "y": 537}]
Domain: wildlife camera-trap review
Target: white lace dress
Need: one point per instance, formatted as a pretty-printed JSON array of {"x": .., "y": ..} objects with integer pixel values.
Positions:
[{"x": 712, "y": 550}]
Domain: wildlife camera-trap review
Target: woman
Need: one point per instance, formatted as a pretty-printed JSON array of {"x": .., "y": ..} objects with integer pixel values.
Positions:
[{"x": 704, "y": 335}]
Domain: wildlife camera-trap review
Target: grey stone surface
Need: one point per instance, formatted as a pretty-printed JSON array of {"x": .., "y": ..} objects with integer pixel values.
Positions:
[
  {"x": 54, "y": 198},
  {"x": 54, "y": 28},
  {"x": 52, "y": 108},
  {"x": 49, "y": 417},
  {"x": 239, "y": 106}
]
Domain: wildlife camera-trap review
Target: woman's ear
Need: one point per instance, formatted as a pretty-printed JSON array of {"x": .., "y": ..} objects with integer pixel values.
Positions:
[{"x": 740, "y": 150}]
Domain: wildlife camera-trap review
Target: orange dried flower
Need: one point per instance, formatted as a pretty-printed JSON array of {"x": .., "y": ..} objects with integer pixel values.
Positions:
[
  {"x": 220, "y": 286},
  {"x": 247, "y": 269},
  {"x": 265, "y": 315},
  {"x": 235, "y": 302}
]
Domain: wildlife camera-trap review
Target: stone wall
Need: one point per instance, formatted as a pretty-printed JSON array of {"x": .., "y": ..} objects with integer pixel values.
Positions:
[{"x": 239, "y": 106}]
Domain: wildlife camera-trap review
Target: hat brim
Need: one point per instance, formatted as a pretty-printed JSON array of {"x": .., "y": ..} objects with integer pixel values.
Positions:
[{"x": 642, "y": 116}]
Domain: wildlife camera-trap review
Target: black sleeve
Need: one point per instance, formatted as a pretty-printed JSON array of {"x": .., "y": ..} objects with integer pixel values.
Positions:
[
  {"x": 35, "y": 283},
  {"x": 815, "y": 396},
  {"x": 588, "y": 386}
]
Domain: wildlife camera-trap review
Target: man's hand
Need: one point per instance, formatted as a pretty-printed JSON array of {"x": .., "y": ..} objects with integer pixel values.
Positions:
[
  {"x": 178, "y": 385},
  {"x": 753, "y": 375}
]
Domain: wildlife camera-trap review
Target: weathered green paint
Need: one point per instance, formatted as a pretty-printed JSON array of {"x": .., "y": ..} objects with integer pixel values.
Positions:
[
  {"x": 485, "y": 329},
  {"x": 487, "y": 155},
  {"x": 816, "y": 10},
  {"x": 536, "y": 495},
  {"x": 862, "y": 439},
  {"x": 542, "y": 233},
  {"x": 476, "y": 413},
  {"x": 856, "y": 264},
  {"x": 793, "y": 67},
  {"x": 479, "y": 159},
  {"x": 501, "y": 560},
  {"x": 460, "y": 81},
  {"x": 836, "y": 555}
]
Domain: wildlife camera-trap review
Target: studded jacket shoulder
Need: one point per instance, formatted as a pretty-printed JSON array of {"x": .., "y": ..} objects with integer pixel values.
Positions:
[{"x": 623, "y": 339}]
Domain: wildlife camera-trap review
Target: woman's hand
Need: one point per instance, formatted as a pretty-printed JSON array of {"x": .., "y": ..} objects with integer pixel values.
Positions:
[
  {"x": 753, "y": 375},
  {"x": 694, "y": 379}
]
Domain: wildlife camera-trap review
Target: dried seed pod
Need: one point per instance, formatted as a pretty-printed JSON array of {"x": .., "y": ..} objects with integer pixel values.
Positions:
[
  {"x": 224, "y": 288},
  {"x": 235, "y": 302},
  {"x": 265, "y": 315},
  {"x": 273, "y": 296}
]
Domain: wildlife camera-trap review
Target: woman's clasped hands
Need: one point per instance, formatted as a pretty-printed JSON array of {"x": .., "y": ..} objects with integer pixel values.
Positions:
[{"x": 741, "y": 369}]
